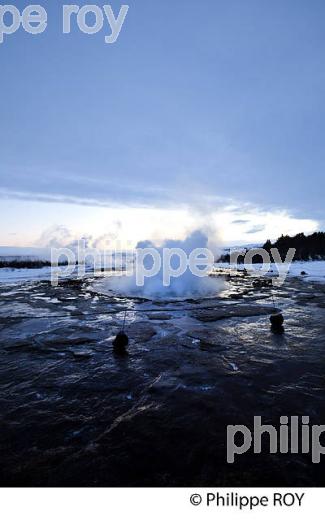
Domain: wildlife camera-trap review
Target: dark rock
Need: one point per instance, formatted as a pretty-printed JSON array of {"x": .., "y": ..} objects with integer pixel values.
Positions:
[
  {"x": 277, "y": 321},
  {"x": 231, "y": 311},
  {"x": 140, "y": 331},
  {"x": 208, "y": 337},
  {"x": 120, "y": 342},
  {"x": 82, "y": 354},
  {"x": 266, "y": 282},
  {"x": 75, "y": 283},
  {"x": 279, "y": 329},
  {"x": 159, "y": 316},
  {"x": 236, "y": 296}
]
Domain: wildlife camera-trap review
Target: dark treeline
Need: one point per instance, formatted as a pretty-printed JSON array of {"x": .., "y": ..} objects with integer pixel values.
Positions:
[
  {"x": 26, "y": 264},
  {"x": 310, "y": 247}
]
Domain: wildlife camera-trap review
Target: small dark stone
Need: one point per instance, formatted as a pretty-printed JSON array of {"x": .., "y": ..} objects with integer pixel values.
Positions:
[
  {"x": 82, "y": 354},
  {"x": 266, "y": 282},
  {"x": 303, "y": 273},
  {"x": 74, "y": 283},
  {"x": 277, "y": 321},
  {"x": 120, "y": 342},
  {"x": 277, "y": 329},
  {"x": 161, "y": 316}
]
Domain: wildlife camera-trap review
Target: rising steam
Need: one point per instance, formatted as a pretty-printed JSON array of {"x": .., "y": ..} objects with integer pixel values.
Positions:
[{"x": 188, "y": 285}]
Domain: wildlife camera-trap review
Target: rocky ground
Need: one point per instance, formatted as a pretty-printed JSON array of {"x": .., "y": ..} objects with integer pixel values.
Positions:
[{"x": 75, "y": 413}]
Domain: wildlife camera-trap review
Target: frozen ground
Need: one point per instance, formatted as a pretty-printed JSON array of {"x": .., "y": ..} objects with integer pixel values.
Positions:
[
  {"x": 315, "y": 270},
  {"x": 18, "y": 275},
  {"x": 73, "y": 413}
]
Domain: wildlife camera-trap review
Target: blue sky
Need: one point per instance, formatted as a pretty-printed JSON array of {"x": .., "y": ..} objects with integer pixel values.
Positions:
[{"x": 214, "y": 109}]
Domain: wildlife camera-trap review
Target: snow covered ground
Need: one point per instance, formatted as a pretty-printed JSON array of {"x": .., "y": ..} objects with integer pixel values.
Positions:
[
  {"x": 23, "y": 275},
  {"x": 106, "y": 260},
  {"x": 315, "y": 270}
]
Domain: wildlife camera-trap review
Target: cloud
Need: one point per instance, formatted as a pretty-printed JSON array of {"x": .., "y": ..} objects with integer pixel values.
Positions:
[
  {"x": 48, "y": 198},
  {"x": 240, "y": 221},
  {"x": 255, "y": 229}
]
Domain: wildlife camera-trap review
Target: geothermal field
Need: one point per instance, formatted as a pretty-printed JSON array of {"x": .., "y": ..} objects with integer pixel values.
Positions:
[{"x": 75, "y": 413}]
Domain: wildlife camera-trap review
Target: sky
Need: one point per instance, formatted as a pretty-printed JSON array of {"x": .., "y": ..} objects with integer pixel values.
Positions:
[{"x": 205, "y": 113}]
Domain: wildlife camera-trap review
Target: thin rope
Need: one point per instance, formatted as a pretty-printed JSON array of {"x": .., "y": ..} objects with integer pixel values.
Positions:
[{"x": 124, "y": 320}]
